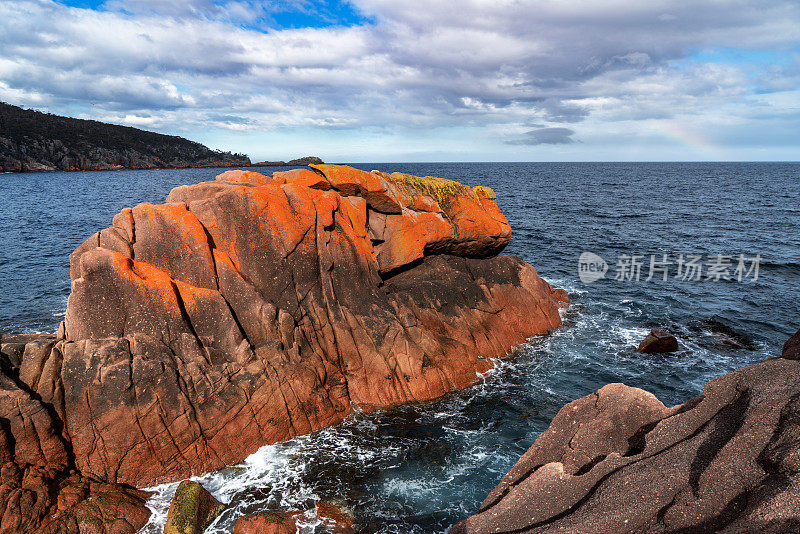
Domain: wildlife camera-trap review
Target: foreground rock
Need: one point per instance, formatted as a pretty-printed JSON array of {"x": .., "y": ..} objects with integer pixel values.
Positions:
[
  {"x": 330, "y": 518},
  {"x": 40, "y": 490},
  {"x": 658, "y": 341},
  {"x": 791, "y": 349},
  {"x": 267, "y": 523},
  {"x": 249, "y": 310},
  {"x": 192, "y": 509},
  {"x": 618, "y": 460}
]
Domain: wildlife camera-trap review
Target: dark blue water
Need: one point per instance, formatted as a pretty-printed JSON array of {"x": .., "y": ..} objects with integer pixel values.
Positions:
[{"x": 422, "y": 468}]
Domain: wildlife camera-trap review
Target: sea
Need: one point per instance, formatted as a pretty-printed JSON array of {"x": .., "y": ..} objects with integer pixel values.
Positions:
[{"x": 707, "y": 251}]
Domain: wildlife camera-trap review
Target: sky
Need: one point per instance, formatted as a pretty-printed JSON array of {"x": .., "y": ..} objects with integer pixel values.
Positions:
[{"x": 421, "y": 80}]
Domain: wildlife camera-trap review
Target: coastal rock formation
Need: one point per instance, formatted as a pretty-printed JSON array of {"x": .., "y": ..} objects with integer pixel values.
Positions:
[
  {"x": 658, "y": 341},
  {"x": 252, "y": 309},
  {"x": 618, "y": 460},
  {"x": 246, "y": 311}
]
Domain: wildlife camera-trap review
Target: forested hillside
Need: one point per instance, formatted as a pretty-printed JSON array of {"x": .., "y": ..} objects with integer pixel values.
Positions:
[{"x": 35, "y": 141}]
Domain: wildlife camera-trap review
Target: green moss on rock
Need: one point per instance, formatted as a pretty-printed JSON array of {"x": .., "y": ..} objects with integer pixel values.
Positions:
[{"x": 192, "y": 509}]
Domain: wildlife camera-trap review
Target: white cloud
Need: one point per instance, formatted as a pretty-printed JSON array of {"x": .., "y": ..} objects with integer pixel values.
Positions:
[{"x": 191, "y": 67}]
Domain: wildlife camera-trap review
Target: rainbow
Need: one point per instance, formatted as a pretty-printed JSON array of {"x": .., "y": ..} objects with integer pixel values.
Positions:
[{"x": 690, "y": 138}]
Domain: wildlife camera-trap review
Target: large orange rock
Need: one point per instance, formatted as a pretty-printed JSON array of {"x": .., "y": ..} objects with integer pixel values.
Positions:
[{"x": 252, "y": 309}]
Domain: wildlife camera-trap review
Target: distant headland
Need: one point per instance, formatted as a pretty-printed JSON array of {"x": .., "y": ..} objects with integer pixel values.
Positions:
[
  {"x": 32, "y": 141},
  {"x": 299, "y": 162}
]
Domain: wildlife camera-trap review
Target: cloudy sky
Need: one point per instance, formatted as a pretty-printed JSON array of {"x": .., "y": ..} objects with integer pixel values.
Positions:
[{"x": 421, "y": 80}]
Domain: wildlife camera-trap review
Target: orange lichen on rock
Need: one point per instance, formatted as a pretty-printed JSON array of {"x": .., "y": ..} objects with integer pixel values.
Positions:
[
  {"x": 252, "y": 309},
  {"x": 349, "y": 181},
  {"x": 405, "y": 238},
  {"x": 244, "y": 177},
  {"x": 304, "y": 177}
]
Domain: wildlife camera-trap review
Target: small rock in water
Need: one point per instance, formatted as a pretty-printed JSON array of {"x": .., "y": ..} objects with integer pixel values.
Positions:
[
  {"x": 192, "y": 509},
  {"x": 337, "y": 520},
  {"x": 267, "y": 522},
  {"x": 658, "y": 341}
]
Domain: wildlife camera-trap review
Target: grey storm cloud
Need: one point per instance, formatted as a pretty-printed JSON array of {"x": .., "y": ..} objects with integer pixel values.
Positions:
[
  {"x": 414, "y": 64},
  {"x": 546, "y": 136}
]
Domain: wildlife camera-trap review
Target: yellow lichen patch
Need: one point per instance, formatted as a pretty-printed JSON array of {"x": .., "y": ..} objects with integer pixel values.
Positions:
[
  {"x": 485, "y": 192},
  {"x": 441, "y": 190}
]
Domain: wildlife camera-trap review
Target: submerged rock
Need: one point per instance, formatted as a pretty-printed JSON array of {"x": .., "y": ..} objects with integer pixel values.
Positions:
[
  {"x": 192, "y": 509},
  {"x": 717, "y": 335},
  {"x": 335, "y": 518},
  {"x": 620, "y": 461},
  {"x": 658, "y": 341}
]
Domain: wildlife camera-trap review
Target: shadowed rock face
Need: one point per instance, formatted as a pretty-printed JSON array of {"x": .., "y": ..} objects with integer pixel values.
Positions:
[
  {"x": 620, "y": 461},
  {"x": 252, "y": 309}
]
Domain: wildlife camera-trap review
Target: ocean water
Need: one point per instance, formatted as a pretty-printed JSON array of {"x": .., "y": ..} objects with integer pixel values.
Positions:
[{"x": 421, "y": 468}]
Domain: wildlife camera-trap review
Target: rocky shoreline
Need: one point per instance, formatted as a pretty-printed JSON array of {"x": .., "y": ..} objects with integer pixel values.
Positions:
[
  {"x": 299, "y": 162},
  {"x": 251, "y": 309},
  {"x": 31, "y": 141},
  {"x": 137, "y": 162},
  {"x": 111, "y": 164},
  {"x": 618, "y": 460},
  {"x": 246, "y": 311}
]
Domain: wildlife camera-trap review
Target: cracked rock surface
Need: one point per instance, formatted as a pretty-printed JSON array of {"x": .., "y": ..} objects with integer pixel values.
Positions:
[
  {"x": 40, "y": 488},
  {"x": 618, "y": 460},
  {"x": 246, "y": 311}
]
